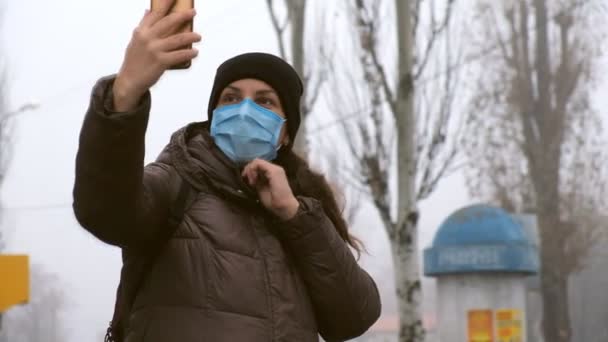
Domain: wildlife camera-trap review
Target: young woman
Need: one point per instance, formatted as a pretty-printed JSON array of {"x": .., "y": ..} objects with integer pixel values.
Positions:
[{"x": 261, "y": 252}]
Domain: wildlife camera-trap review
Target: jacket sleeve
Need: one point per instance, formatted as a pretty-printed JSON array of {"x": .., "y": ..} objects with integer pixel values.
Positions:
[
  {"x": 345, "y": 298},
  {"x": 115, "y": 197}
]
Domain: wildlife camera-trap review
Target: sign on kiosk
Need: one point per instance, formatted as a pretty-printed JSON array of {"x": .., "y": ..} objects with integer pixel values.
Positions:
[
  {"x": 481, "y": 326},
  {"x": 503, "y": 325},
  {"x": 509, "y": 325}
]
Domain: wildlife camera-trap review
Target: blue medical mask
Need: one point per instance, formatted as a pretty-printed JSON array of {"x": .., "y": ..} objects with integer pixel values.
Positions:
[{"x": 246, "y": 131}]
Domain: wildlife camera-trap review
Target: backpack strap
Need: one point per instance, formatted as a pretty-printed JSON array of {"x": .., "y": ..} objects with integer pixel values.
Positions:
[{"x": 134, "y": 271}]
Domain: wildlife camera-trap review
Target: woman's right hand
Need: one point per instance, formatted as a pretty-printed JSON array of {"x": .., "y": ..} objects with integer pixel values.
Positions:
[{"x": 152, "y": 50}]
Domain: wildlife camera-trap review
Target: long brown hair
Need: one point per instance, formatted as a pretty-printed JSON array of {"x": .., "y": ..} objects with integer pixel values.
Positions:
[{"x": 306, "y": 182}]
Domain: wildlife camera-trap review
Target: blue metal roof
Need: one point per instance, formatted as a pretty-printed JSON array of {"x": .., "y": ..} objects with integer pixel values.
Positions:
[
  {"x": 481, "y": 238},
  {"x": 479, "y": 224}
]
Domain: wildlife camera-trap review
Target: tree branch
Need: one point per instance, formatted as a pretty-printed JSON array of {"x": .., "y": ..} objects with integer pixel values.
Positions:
[
  {"x": 366, "y": 26},
  {"x": 278, "y": 28},
  {"x": 435, "y": 33}
]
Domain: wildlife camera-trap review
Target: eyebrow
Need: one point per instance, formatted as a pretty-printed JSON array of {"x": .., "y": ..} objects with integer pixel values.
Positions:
[
  {"x": 266, "y": 91},
  {"x": 233, "y": 88},
  {"x": 259, "y": 92}
]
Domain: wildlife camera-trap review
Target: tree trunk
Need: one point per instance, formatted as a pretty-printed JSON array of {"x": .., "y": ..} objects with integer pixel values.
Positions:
[
  {"x": 556, "y": 318},
  {"x": 554, "y": 280},
  {"x": 408, "y": 285},
  {"x": 404, "y": 237},
  {"x": 545, "y": 171},
  {"x": 297, "y": 15}
]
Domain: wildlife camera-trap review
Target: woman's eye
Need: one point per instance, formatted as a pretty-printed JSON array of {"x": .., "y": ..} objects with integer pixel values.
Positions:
[
  {"x": 230, "y": 99},
  {"x": 266, "y": 102}
]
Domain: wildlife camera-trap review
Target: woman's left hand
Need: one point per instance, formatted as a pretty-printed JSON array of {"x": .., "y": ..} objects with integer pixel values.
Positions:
[{"x": 270, "y": 181}]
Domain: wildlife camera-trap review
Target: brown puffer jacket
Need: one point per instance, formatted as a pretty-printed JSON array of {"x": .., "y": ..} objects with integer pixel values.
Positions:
[{"x": 231, "y": 272}]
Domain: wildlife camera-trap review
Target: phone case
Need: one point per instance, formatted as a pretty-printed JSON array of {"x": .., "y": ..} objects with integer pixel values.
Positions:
[{"x": 179, "y": 5}]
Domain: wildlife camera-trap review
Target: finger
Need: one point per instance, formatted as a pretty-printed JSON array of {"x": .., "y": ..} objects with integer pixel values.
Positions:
[
  {"x": 144, "y": 18},
  {"x": 178, "y": 41},
  {"x": 262, "y": 180},
  {"x": 265, "y": 170},
  {"x": 172, "y": 22},
  {"x": 158, "y": 12},
  {"x": 258, "y": 170},
  {"x": 178, "y": 57},
  {"x": 246, "y": 174},
  {"x": 253, "y": 174},
  {"x": 265, "y": 167}
]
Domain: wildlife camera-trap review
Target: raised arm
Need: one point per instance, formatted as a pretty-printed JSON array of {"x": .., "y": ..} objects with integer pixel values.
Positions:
[{"x": 115, "y": 197}]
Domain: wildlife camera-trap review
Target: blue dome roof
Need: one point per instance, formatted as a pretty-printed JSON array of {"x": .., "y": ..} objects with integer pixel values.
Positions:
[
  {"x": 479, "y": 224},
  {"x": 481, "y": 238}
]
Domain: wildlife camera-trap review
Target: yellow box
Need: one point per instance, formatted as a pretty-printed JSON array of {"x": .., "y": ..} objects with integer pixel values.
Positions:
[{"x": 14, "y": 281}]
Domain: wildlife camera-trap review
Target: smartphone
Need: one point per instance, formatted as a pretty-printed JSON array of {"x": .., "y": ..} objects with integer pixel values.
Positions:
[{"x": 179, "y": 5}]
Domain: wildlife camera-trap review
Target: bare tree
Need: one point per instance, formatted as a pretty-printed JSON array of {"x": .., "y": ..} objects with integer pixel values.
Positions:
[
  {"x": 40, "y": 319},
  {"x": 533, "y": 134},
  {"x": 307, "y": 59},
  {"x": 392, "y": 85}
]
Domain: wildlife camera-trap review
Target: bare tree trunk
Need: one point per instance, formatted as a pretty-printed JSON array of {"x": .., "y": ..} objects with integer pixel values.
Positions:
[
  {"x": 405, "y": 236},
  {"x": 296, "y": 21},
  {"x": 297, "y": 15},
  {"x": 554, "y": 282},
  {"x": 554, "y": 276},
  {"x": 545, "y": 171}
]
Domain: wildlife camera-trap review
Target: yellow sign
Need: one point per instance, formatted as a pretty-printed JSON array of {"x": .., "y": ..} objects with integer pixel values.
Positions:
[
  {"x": 509, "y": 325},
  {"x": 480, "y": 326},
  {"x": 14, "y": 281}
]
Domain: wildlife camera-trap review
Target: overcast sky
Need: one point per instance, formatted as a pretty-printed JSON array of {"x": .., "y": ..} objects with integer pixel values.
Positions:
[{"x": 57, "y": 49}]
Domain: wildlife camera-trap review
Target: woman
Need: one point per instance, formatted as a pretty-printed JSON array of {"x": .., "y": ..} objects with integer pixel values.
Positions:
[{"x": 261, "y": 252}]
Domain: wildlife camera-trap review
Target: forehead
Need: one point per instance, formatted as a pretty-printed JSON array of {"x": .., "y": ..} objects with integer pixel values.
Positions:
[{"x": 250, "y": 84}]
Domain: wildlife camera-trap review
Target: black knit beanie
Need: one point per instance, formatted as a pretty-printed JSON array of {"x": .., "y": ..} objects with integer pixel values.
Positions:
[{"x": 271, "y": 69}]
